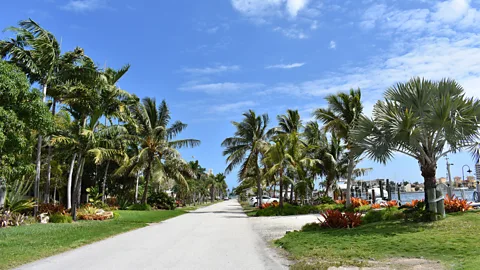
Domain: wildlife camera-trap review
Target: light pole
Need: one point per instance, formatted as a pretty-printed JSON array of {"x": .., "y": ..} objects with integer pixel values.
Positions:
[
  {"x": 450, "y": 186},
  {"x": 463, "y": 174}
]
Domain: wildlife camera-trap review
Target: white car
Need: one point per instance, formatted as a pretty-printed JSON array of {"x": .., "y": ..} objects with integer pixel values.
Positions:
[{"x": 265, "y": 199}]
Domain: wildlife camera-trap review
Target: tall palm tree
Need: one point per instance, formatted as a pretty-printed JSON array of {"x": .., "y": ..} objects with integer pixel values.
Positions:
[
  {"x": 423, "y": 119},
  {"x": 37, "y": 52},
  {"x": 247, "y": 146},
  {"x": 341, "y": 116},
  {"x": 158, "y": 150}
]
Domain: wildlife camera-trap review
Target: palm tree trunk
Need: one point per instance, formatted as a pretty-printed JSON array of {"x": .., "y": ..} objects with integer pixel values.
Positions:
[
  {"x": 49, "y": 160},
  {"x": 69, "y": 184},
  {"x": 38, "y": 163},
  {"x": 148, "y": 174},
  {"x": 429, "y": 176},
  {"x": 281, "y": 189},
  {"x": 259, "y": 189},
  {"x": 136, "y": 188},
  {"x": 291, "y": 193},
  {"x": 77, "y": 187},
  {"x": 104, "y": 181},
  {"x": 351, "y": 166},
  {"x": 46, "y": 192}
]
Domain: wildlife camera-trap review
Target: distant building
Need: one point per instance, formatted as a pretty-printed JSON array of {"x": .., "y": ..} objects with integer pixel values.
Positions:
[
  {"x": 210, "y": 172},
  {"x": 442, "y": 180},
  {"x": 457, "y": 181}
]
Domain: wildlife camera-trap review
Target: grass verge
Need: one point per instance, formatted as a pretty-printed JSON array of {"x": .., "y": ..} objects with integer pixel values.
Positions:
[
  {"x": 453, "y": 241},
  {"x": 20, "y": 245}
]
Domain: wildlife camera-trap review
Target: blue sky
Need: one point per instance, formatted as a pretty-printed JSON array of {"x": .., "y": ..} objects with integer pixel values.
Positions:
[{"x": 214, "y": 59}]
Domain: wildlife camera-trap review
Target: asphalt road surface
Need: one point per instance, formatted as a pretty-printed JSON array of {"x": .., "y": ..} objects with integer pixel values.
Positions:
[{"x": 215, "y": 237}]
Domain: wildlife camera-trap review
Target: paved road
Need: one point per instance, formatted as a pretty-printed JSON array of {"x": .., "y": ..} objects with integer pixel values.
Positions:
[{"x": 215, "y": 237}]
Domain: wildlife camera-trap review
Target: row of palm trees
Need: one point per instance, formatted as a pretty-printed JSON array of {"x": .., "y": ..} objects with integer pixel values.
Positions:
[
  {"x": 101, "y": 132},
  {"x": 424, "y": 119}
]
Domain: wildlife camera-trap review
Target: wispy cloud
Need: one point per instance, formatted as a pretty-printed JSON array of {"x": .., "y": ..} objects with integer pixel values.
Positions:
[
  {"x": 232, "y": 107},
  {"x": 286, "y": 66},
  {"x": 219, "y": 88},
  {"x": 292, "y": 32},
  {"x": 294, "y": 6},
  {"x": 211, "y": 70},
  {"x": 84, "y": 5},
  {"x": 333, "y": 45}
]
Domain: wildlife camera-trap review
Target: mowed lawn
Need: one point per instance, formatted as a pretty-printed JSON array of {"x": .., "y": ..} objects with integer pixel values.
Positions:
[
  {"x": 20, "y": 245},
  {"x": 454, "y": 241}
]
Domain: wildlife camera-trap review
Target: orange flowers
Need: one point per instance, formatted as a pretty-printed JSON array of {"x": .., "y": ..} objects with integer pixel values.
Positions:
[
  {"x": 273, "y": 204},
  {"x": 413, "y": 203}
]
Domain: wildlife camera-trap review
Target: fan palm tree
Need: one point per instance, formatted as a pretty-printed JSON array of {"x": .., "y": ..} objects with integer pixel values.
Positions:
[
  {"x": 423, "y": 119},
  {"x": 341, "y": 117},
  {"x": 158, "y": 150},
  {"x": 246, "y": 147}
]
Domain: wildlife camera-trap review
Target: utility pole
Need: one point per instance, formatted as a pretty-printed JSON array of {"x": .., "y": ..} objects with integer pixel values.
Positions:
[{"x": 450, "y": 186}]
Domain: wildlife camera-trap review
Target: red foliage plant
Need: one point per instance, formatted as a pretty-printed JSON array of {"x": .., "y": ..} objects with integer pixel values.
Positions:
[
  {"x": 338, "y": 220},
  {"x": 413, "y": 203},
  {"x": 273, "y": 204},
  {"x": 376, "y": 206},
  {"x": 51, "y": 208},
  {"x": 454, "y": 204},
  {"x": 390, "y": 204}
]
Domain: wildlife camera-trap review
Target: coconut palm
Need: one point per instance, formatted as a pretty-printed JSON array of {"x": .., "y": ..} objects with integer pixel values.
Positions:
[
  {"x": 341, "y": 117},
  {"x": 247, "y": 146},
  {"x": 158, "y": 150},
  {"x": 423, "y": 119}
]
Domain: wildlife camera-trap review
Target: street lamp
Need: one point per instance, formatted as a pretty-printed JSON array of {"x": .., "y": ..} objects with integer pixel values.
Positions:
[{"x": 463, "y": 174}]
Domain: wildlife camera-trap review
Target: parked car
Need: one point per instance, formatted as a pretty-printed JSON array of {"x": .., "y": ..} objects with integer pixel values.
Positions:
[
  {"x": 226, "y": 198},
  {"x": 265, "y": 199}
]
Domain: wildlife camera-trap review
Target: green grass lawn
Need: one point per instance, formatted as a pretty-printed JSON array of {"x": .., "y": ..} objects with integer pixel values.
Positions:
[
  {"x": 455, "y": 241},
  {"x": 20, "y": 245}
]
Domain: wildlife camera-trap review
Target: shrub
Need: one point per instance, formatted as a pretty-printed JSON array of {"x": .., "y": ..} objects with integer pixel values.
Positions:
[
  {"x": 376, "y": 206},
  {"x": 116, "y": 215},
  {"x": 324, "y": 200},
  {"x": 89, "y": 212},
  {"x": 161, "y": 200},
  {"x": 418, "y": 213},
  {"x": 59, "y": 218},
  {"x": 454, "y": 204},
  {"x": 8, "y": 218},
  {"x": 140, "y": 207},
  {"x": 363, "y": 208},
  {"x": 333, "y": 206},
  {"x": 388, "y": 214},
  {"x": 337, "y": 220},
  {"x": 51, "y": 208},
  {"x": 412, "y": 204},
  {"x": 373, "y": 216},
  {"x": 357, "y": 202}
]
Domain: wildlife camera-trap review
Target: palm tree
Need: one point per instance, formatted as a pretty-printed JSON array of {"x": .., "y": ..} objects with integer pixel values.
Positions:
[
  {"x": 37, "y": 52},
  {"x": 247, "y": 145},
  {"x": 280, "y": 161},
  {"x": 341, "y": 117},
  {"x": 291, "y": 125},
  {"x": 158, "y": 151},
  {"x": 423, "y": 119}
]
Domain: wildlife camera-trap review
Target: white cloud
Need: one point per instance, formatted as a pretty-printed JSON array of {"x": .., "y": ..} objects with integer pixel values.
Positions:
[
  {"x": 211, "y": 70},
  {"x": 333, "y": 45},
  {"x": 84, "y": 5},
  {"x": 314, "y": 25},
  {"x": 293, "y": 33},
  {"x": 286, "y": 66},
  {"x": 232, "y": 107},
  {"x": 451, "y": 10},
  {"x": 294, "y": 6},
  {"x": 268, "y": 8},
  {"x": 212, "y": 30},
  {"x": 219, "y": 88}
]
